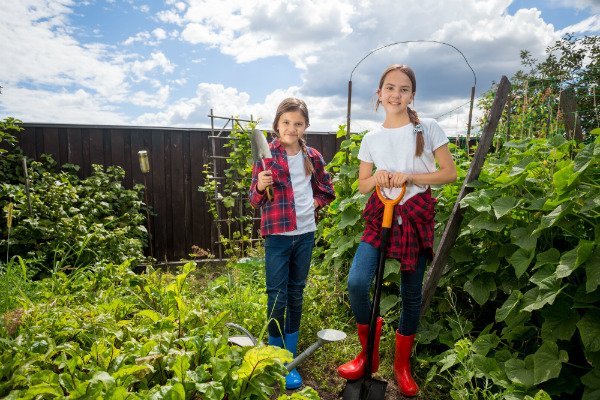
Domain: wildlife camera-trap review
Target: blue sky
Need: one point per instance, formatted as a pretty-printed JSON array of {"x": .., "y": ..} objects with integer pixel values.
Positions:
[{"x": 167, "y": 63}]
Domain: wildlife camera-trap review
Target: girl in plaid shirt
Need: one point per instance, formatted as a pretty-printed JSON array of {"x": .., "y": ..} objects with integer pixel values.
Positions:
[
  {"x": 404, "y": 150},
  {"x": 300, "y": 187}
]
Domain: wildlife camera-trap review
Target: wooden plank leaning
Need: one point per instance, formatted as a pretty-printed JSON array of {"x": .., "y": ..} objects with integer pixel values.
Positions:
[
  {"x": 451, "y": 231},
  {"x": 568, "y": 105}
]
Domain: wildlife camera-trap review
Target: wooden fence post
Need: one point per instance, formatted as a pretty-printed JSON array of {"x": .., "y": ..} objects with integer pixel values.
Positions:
[
  {"x": 452, "y": 227},
  {"x": 568, "y": 105}
]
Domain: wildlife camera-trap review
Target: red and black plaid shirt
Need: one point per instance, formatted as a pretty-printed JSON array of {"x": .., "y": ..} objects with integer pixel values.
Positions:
[
  {"x": 406, "y": 241},
  {"x": 279, "y": 215}
]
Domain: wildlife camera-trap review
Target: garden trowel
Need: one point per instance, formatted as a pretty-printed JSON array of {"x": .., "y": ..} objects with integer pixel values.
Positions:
[{"x": 260, "y": 151}]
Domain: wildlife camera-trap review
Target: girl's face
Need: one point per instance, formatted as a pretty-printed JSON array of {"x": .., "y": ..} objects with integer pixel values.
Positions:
[
  {"x": 396, "y": 93},
  {"x": 291, "y": 127}
]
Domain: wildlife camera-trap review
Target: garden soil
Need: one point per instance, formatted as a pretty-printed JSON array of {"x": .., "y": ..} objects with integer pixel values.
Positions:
[{"x": 334, "y": 381}]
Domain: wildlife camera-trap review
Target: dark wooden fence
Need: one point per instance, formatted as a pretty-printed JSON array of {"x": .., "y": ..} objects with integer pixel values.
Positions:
[{"x": 177, "y": 157}]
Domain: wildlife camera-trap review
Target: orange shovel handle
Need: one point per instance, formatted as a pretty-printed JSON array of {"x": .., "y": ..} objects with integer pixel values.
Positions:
[{"x": 388, "y": 205}]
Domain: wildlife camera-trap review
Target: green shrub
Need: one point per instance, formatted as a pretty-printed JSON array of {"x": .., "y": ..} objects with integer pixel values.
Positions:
[
  {"x": 523, "y": 273},
  {"x": 65, "y": 221}
]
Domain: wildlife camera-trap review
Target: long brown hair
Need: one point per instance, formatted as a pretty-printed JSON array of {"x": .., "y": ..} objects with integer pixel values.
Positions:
[
  {"x": 412, "y": 114},
  {"x": 290, "y": 105}
]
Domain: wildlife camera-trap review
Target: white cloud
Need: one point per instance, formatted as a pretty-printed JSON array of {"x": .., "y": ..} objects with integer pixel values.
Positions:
[
  {"x": 593, "y": 5},
  {"x": 153, "y": 38},
  {"x": 138, "y": 37},
  {"x": 588, "y": 25},
  {"x": 157, "y": 60},
  {"x": 170, "y": 17},
  {"x": 78, "y": 107},
  {"x": 49, "y": 56},
  {"x": 487, "y": 35},
  {"x": 159, "y": 33},
  {"x": 193, "y": 111},
  {"x": 227, "y": 101},
  {"x": 251, "y": 30},
  {"x": 158, "y": 99}
]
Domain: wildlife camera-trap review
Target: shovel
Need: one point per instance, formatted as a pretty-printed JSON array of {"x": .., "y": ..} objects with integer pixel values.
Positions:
[
  {"x": 260, "y": 151},
  {"x": 367, "y": 388}
]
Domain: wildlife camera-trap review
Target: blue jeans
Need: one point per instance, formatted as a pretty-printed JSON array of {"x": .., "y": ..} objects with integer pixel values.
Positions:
[
  {"x": 287, "y": 261},
  {"x": 362, "y": 273}
]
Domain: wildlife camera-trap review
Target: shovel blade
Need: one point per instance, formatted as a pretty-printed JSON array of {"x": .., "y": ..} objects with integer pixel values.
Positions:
[
  {"x": 364, "y": 389},
  {"x": 259, "y": 146}
]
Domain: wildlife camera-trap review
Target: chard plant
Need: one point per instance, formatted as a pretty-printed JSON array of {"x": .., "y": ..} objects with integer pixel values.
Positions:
[{"x": 111, "y": 333}]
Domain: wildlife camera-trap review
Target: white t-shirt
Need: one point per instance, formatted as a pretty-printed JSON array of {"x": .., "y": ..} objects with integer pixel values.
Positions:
[
  {"x": 303, "y": 196},
  {"x": 393, "y": 150}
]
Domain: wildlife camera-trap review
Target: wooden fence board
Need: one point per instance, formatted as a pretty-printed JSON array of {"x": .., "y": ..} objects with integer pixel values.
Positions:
[
  {"x": 75, "y": 148},
  {"x": 96, "y": 145},
  {"x": 186, "y": 225},
  {"x": 62, "y": 145},
  {"x": 176, "y": 181},
  {"x": 200, "y": 220},
  {"x": 51, "y": 143}
]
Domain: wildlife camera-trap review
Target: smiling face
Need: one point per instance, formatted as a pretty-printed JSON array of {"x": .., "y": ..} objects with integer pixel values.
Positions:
[
  {"x": 396, "y": 92},
  {"x": 290, "y": 127}
]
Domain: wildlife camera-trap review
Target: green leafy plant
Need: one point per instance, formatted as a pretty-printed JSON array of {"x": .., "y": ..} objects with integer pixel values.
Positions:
[
  {"x": 533, "y": 109},
  {"x": 74, "y": 221},
  {"x": 109, "y": 332},
  {"x": 524, "y": 269},
  {"x": 11, "y": 154},
  {"x": 227, "y": 196}
]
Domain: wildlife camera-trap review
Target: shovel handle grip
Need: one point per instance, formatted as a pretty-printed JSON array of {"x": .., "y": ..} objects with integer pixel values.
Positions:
[
  {"x": 388, "y": 205},
  {"x": 269, "y": 191}
]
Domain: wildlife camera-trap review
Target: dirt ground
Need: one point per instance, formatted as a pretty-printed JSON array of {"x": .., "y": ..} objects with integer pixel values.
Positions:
[{"x": 335, "y": 386}]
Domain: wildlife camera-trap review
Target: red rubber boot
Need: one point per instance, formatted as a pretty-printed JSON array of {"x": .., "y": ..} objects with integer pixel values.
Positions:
[
  {"x": 406, "y": 384},
  {"x": 355, "y": 369}
]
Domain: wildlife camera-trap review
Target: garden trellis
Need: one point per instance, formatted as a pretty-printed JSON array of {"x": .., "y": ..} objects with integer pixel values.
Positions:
[{"x": 224, "y": 174}]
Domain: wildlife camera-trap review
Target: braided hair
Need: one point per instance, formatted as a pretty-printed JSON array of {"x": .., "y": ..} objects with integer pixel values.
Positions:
[
  {"x": 290, "y": 105},
  {"x": 412, "y": 114}
]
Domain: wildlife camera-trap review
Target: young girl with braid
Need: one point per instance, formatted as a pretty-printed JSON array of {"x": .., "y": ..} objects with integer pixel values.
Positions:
[
  {"x": 300, "y": 187},
  {"x": 403, "y": 150}
]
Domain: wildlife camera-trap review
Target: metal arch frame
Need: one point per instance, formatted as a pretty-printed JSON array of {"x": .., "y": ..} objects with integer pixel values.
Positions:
[{"x": 404, "y": 42}]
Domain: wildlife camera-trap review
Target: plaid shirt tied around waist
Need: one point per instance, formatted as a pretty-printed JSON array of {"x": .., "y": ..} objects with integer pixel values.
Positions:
[{"x": 409, "y": 239}]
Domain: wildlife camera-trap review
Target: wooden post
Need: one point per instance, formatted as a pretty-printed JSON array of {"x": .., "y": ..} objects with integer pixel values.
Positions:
[
  {"x": 568, "y": 105},
  {"x": 452, "y": 227},
  {"x": 508, "y": 112},
  {"x": 349, "y": 109},
  {"x": 469, "y": 122}
]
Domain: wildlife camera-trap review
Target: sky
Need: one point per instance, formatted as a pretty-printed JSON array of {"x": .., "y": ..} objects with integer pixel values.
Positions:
[{"x": 168, "y": 63}]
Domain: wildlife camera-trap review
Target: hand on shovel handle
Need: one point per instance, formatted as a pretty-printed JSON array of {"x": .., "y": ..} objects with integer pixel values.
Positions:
[
  {"x": 260, "y": 151},
  {"x": 266, "y": 180},
  {"x": 388, "y": 204}
]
